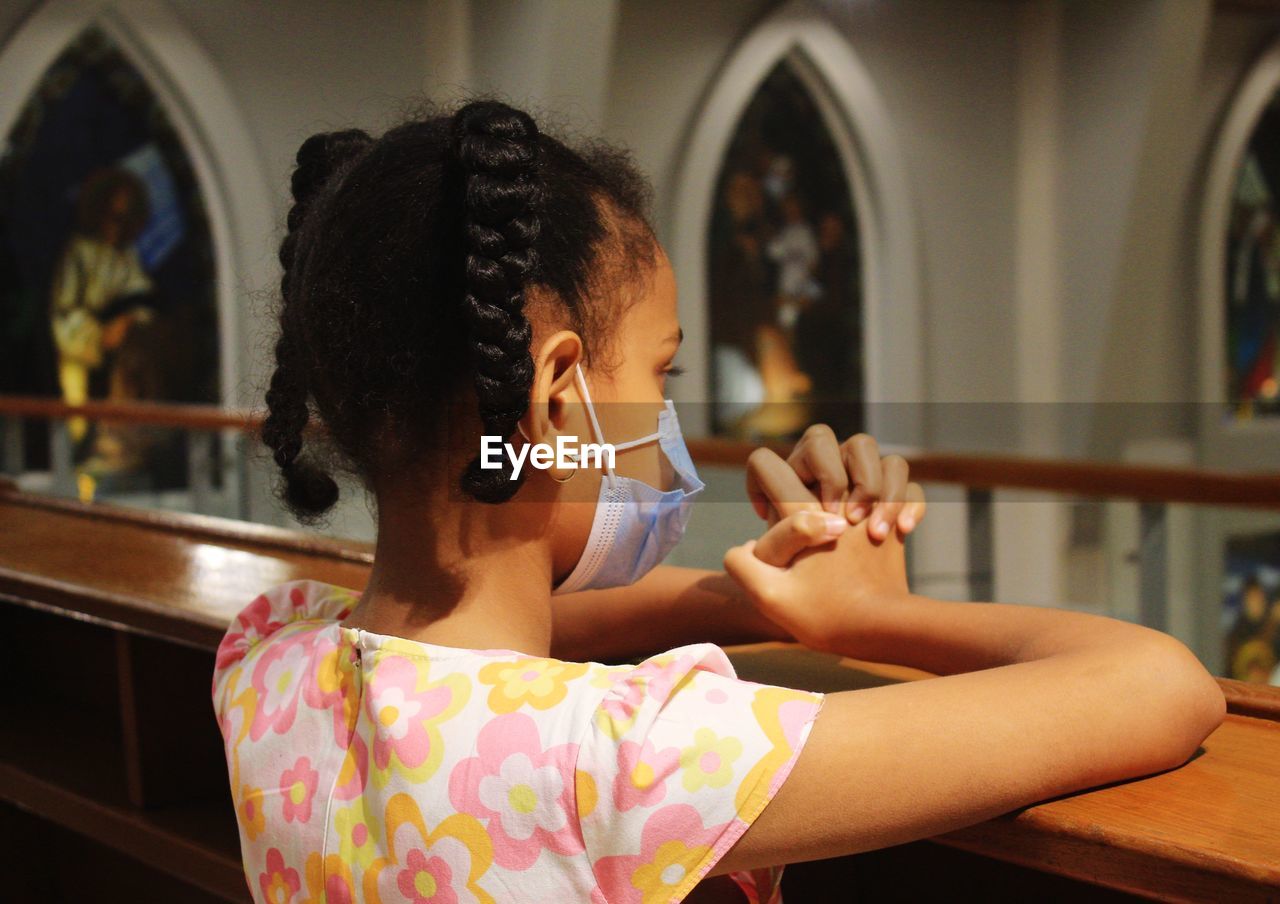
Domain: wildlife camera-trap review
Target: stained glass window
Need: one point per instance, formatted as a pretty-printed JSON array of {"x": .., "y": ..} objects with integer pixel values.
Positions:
[
  {"x": 1253, "y": 275},
  {"x": 107, "y": 274},
  {"x": 784, "y": 275}
]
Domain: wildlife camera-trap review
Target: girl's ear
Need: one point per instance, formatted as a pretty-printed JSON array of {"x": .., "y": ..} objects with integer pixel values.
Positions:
[{"x": 553, "y": 392}]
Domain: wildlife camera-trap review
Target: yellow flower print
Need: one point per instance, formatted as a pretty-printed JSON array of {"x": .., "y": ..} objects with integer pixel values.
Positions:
[
  {"x": 541, "y": 683},
  {"x": 586, "y": 793},
  {"x": 662, "y": 876},
  {"x": 444, "y": 863},
  {"x": 236, "y": 712},
  {"x": 772, "y": 707},
  {"x": 602, "y": 676},
  {"x": 356, "y": 835},
  {"x": 709, "y": 760},
  {"x": 250, "y": 811},
  {"x": 328, "y": 881}
]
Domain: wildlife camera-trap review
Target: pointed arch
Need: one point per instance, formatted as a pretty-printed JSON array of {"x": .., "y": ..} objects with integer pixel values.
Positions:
[
  {"x": 856, "y": 119},
  {"x": 1225, "y": 441},
  {"x": 199, "y": 106}
]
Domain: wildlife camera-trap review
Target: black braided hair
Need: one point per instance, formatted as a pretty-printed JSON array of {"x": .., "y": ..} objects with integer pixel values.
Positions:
[
  {"x": 498, "y": 149},
  {"x": 307, "y": 487},
  {"x": 408, "y": 263}
]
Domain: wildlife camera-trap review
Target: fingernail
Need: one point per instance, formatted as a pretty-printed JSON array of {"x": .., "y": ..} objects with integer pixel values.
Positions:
[
  {"x": 879, "y": 528},
  {"x": 857, "y": 513},
  {"x": 908, "y": 522},
  {"x": 833, "y": 526}
]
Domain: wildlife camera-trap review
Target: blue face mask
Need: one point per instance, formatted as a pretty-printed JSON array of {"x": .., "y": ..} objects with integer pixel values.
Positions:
[{"x": 635, "y": 525}]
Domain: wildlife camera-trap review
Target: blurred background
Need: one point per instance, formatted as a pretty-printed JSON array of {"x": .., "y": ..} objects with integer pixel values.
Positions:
[{"x": 1029, "y": 244}]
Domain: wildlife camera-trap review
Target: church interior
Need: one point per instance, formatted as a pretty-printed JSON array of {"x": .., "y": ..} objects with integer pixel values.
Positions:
[{"x": 1026, "y": 245}]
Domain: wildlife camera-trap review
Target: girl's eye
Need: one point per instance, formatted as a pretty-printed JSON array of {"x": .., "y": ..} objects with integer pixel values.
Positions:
[{"x": 674, "y": 371}]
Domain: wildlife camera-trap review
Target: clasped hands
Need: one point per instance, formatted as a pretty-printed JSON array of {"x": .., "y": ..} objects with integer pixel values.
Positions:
[{"x": 838, "y": 514}]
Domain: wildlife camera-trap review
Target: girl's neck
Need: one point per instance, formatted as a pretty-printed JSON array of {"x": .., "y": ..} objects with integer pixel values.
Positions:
[{"x": 473, "y": 576}]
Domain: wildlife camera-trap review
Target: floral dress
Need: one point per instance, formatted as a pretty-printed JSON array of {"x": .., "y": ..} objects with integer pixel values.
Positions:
[{"x": 373, "y": 768}]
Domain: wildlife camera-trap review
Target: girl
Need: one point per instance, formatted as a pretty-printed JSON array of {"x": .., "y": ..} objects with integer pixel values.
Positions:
[{"x": 447, "y": 734}]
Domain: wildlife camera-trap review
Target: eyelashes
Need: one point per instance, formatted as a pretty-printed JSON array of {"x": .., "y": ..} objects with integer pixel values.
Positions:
[{"x": 674, "y": 371}]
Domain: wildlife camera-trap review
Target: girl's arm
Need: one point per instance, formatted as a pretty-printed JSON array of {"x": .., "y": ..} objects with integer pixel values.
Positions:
[
  {"x": 1032, "y": 703},
  {"x": 669, "y": 607}
]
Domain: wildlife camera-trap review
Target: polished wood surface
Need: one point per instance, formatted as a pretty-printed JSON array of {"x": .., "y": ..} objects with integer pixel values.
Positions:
[
  {"x": 1117, "y": 480},
  {"x": 1208, "y": 830},
  {"x": 180, "y": 576}
]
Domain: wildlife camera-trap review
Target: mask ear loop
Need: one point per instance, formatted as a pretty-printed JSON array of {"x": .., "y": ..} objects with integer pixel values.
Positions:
[
  {"x": 520, "y": 427},
  {"x": 595, "y": 423}
]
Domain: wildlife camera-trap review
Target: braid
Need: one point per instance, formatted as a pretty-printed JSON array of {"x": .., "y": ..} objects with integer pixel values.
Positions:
[
  {"x": 498, "y": 148},
  {"x": 309, "y": 490}
]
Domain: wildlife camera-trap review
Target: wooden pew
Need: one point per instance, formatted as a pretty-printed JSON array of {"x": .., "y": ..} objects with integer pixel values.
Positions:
[{"x": 117, "y": 614}]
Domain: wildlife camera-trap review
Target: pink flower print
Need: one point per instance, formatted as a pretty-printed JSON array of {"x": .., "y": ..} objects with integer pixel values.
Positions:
[
  {"x": 331, "y": 686},
  {"x": 641, "y": 780},
  {"x": 709, "y": 760},
  {"x": 426, "y": 880},
  {"x": 251, "y": 812},
  {"x": 297, "y": 788},
  {"x": 279, "y": 883},
  {"x": 618, "y": 709},
  {"x": 407, "y": 709},
  {"x": 674, "y": 851},
  {"x": 255, "y": 622},
  {"x": 525, "y": 793},
  {"x": 662, "y": 673},
  {"x": 278, "y": 677},
  {"x": 444, "y": 864},
  {"x": 656, "y": 678}
]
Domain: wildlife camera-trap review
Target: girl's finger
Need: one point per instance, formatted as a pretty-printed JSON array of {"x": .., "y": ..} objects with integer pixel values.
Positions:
[
  {"x": 774, "y": 484},
  {"x": 757, "y": 578},
  {"x": 793, "y": 535},
  {"x": 895, "y": 469},
  {"x": 913, "y": 511},
  {"x": 816, "y": 459},
  {"x": 861, "y": 458}
]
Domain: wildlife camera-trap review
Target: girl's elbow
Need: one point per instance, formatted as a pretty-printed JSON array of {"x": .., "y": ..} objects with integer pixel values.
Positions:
[{"x": 1196, "y": 703}]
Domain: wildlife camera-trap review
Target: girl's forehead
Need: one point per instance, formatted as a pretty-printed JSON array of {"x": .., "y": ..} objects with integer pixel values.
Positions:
[{"x": 660, "y": 293}]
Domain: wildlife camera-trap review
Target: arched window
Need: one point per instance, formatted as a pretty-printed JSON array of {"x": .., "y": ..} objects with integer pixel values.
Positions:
[
  {"x": 794, "y": 91},
  {"x": 1252, "y": 270},
  {"x": 784, "y": 281},
  {"x": 107, "y": 260}
]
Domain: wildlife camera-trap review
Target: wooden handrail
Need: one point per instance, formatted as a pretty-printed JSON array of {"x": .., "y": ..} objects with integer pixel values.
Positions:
[
  {"x": 1146, "y": 483},
  {"x": 158, "y": 414}
]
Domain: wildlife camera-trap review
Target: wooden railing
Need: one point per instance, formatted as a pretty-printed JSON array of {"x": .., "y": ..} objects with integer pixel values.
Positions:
[
  {"x": 1153, "y": 488},
  {"x": 1142, "y": 483}
]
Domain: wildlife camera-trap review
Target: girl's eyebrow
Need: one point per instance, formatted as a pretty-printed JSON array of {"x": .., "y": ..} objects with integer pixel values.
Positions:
[{"x": 675, "y": 338}]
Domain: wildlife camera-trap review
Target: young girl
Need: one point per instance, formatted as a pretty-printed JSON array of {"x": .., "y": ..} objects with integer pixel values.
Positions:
[{"x": 448, "y": 734}]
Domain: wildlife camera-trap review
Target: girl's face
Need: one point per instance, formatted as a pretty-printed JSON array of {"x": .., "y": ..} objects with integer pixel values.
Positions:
[{"x": 627, "y": 399}]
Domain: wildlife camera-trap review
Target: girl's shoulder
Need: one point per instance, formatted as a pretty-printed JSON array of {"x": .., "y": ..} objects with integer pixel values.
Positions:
[{"x": 285, "y": 604}]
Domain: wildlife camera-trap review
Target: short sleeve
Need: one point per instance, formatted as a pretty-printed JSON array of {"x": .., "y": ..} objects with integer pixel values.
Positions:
[
  {"x": 680, "y": 758},
  {"x": 272, "y": 610}
]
